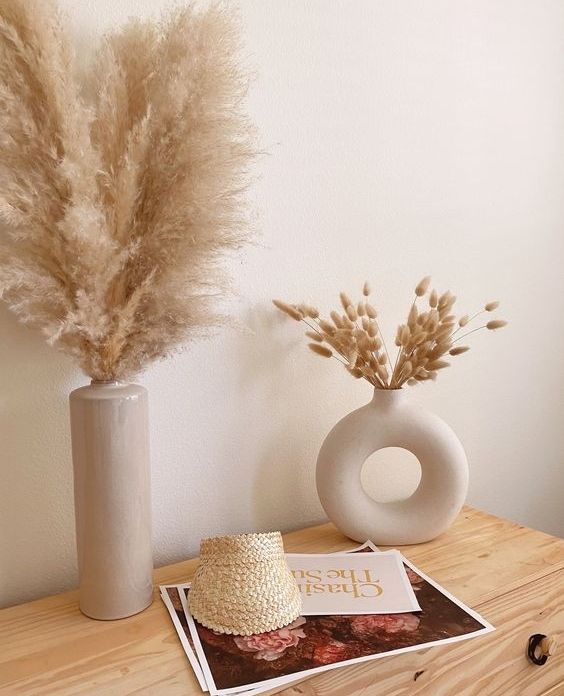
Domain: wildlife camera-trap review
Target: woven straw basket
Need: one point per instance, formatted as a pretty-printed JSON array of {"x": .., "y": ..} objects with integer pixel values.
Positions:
[{"x": 243, "y": 585}]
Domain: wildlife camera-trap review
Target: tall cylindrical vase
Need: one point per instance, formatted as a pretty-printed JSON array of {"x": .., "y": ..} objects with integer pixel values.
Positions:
[{"x": 110, "y": 451}]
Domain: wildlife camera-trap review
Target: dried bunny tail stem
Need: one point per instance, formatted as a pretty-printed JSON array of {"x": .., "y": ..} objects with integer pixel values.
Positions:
[
  {"x": 490, "y": 306},
  {"x": 402, "y": 338},
  {"x": 437, "y": 365},
  {"x": 314, "y": 327},
  {"x": 397, "y": 339},
  {"x": 325, "y": 352},
  {"x": 440, "y": 348},
  {"x": 337, "y": 320},
  {"x": 468, "y": 319},
  {"x": 444, "y": 332},
  {"x": 444, "y": 311},
  {"x": 404, "y": 373},
  {"x": 496, "y": 324},
  {"x": 352, "y": 356},
  {"x": 308, "y": 311},
  {"x": 326, "y": 327},
  {"x": 355, "y": 372},
  {"x": 459, "y": 350},
  {"x": 383, "y": 374},
  {"x": 412, "y": 317},
  {"x": 376, "y": 380},
  {"x": 372, "y": 314},
  {"x": 492, "y": 325},
  {"x": 446, "y": 300},
  {"x": 290, "y": 310},
  {"x": 404, "y": 331},
  {"x": 422, "y": 286},
  {"x": 320, "y": 350},
  {"x": 345, "y": 300}
]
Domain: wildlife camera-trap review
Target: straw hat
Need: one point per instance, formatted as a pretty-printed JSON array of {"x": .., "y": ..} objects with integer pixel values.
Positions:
[{"x": 243, "y": 585}]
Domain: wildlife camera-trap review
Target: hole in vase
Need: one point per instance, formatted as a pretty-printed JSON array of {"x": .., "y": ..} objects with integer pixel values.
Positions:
[{"x": 391, "y": 474}]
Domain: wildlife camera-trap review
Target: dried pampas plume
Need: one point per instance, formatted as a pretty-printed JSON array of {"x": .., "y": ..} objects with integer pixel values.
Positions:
[
  {"x": 117, "y": 197},
  {"x": 354, "y": 337}
]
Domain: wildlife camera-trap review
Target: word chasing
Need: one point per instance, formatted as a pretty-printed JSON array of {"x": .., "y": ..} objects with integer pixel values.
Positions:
[{"x": 358, "y": 583}]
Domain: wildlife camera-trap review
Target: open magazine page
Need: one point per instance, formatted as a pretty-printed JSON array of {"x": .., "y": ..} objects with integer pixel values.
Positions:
[{"x": 352, "y": 583}]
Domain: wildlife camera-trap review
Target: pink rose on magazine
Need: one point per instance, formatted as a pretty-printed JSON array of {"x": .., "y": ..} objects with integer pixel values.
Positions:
[
  {"x": 365, "y": 626},
  {"x": 414, "y": 579},
  {"x": 271, "y": 645},
  {"x": 328, "y": 652}
]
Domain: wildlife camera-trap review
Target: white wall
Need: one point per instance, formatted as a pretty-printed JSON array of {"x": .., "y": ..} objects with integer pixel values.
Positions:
[{"x": 405, "y": 138}]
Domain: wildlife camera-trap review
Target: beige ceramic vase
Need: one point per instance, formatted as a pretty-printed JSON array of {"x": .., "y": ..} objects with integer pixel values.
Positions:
[
  {"x": 110, "y": 450},
  {"x": 391, "y": 420}
]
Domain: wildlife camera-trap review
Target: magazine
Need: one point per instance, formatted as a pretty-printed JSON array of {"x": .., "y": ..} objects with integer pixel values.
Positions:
[{"x": 316, "y": 643}]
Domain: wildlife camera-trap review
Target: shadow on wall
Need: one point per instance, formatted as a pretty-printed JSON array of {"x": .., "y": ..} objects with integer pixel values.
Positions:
[
  {"x": 36, "y": 510},
  {"x": 284, "y": 485},
  {"x": 231, "y": 448}
]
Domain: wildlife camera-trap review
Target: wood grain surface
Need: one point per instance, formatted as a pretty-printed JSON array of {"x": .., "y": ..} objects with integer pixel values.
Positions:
[{"x": 512, "y": 575}]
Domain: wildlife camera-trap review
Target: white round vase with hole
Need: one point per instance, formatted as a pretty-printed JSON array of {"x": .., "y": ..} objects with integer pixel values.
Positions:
[{"x": 390, "y": 420}]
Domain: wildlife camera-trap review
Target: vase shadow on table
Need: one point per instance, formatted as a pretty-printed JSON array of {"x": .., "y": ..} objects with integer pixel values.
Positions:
[{"x": 37, "y": 554}]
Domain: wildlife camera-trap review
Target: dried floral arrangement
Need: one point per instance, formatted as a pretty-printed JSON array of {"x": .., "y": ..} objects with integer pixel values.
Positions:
[
  {"x": 353, "y": 336},
  {"x": 120, "y": 193}
]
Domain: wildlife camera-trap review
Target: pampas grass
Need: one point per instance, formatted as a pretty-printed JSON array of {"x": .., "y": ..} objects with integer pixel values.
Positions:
[
  {"x": 353, "y": 336},
  {"x": 119, "y": 195}
]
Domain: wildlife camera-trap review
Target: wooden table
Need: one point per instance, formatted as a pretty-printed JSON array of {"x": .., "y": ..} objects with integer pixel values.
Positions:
[{"x": 512, "y": 575}]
